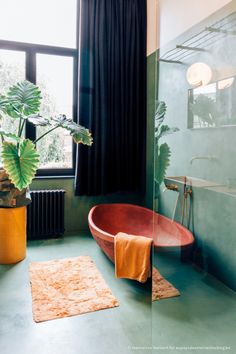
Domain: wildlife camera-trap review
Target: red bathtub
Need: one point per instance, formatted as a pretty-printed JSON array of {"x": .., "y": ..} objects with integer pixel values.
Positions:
[{"x": 106, "y": 220}]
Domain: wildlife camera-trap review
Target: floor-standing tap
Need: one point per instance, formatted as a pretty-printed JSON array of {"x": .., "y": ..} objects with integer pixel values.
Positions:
[{"x": 185, "y": 209}]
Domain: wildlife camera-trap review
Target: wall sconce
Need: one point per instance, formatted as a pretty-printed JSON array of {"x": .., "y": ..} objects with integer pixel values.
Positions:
[{"x": 199, "y": 74}]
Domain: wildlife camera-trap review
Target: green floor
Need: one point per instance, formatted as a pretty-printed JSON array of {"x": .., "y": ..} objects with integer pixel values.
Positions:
[
  {"x": 204, "y": 315},
  {"x": 102, "y": 332}
]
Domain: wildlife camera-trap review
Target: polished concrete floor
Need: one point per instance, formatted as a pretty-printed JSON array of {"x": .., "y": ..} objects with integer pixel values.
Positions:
[
  {"x": 204, "y": 314},
  {"x": 102, "y": 332},
  {"x": 203, "y": 317}
]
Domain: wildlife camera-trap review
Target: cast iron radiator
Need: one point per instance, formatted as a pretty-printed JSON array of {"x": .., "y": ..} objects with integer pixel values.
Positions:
[{"x": 45, "y": 217}]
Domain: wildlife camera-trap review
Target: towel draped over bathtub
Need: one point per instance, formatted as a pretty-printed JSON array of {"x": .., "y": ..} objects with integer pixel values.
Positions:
[{"x": 133, "y": 257}]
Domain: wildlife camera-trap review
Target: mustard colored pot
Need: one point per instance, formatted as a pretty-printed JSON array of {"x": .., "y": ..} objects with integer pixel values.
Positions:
[{"x": 12, "y": 235}]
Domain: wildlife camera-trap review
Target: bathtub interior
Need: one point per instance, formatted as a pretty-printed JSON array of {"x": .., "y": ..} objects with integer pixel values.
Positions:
[
  {"x": 135, "y": 220},
  {"x": 114, "y": 218},
  {"x": 170, "y": 234}
]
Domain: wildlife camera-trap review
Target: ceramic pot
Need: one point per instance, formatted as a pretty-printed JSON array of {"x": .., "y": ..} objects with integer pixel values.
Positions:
[{"x": 12, "y": 235}]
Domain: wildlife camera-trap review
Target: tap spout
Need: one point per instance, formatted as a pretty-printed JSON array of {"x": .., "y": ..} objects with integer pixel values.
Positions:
[
  {"x": 207, "y": 157},
  {"x": 171, "y": 187}
]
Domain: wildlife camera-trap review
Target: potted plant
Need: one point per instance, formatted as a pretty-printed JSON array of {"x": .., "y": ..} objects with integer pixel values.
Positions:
[{"x": 20, "y": 161}]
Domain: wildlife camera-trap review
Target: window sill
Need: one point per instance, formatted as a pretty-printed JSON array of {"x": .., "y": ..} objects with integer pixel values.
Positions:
[{"x": 54, "y": 177}]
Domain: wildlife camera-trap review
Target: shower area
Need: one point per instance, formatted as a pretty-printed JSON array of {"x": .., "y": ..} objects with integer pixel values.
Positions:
[
  {"x": 197, "y": 81},
  {"x": 196, "y": 78}
]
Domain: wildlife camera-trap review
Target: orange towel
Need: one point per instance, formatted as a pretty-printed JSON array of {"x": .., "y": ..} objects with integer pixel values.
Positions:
[{"x": 132, "y": 257}]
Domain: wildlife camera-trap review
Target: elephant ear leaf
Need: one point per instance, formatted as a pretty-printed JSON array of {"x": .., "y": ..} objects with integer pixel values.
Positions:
[
  {"x": 165, "y": 130},
  {"x": 9, "y": 135},
  {"x": 78, "y": 132},
  {"x": 24, "y": 98},
  {"x": 21, "y": 167},
  {"x": 3, "y": 103},
  {"x": 160, "y": 114},
  {"x": 162, "y": 162},
  {"x": 37, "y": 119}
]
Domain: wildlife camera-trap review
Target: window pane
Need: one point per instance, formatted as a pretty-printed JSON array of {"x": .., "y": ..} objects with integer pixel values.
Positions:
[
  {"x": 12, "y": 70},
  {"x": 55, "y": 79},
  {"x": 50, "y": 22}
]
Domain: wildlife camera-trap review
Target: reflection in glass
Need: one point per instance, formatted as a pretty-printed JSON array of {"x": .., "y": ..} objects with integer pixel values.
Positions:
[
  {"x": 55, "y": 80},
  {"x": 12, "y": 70},
  {"x": 200, "y": 188},
  {"x": 199, "y": 74},
  {"x": 213, "y": 105}
]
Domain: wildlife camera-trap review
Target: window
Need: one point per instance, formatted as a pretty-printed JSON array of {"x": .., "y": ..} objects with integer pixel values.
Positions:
[
  {"x": 46, "y": 55},
  {"x": 49, "y": 22},
  {"x": 12, "y": 70},
  {"x": 54, "y": 76}
]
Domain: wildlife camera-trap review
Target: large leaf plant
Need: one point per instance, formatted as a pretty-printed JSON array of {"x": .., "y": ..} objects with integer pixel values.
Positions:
[
  {"x": 162, "y": 151},
  {"x": 19, "y": 155}
]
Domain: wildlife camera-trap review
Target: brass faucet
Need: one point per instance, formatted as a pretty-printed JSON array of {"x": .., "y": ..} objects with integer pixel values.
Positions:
[
  {"x": 171, "y": 187},
  {"x": 185, "y": 209}
]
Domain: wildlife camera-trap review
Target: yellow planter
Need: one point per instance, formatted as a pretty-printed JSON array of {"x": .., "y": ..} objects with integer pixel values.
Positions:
[{"x": 12, "y": 235}]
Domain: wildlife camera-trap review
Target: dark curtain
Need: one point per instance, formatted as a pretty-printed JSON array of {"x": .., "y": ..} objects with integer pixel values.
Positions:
[{"x": 112, "y": 96}]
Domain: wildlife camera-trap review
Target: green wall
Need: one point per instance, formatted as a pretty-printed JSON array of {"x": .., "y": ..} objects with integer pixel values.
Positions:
[
  {"x": 151, "y": 92},
  {"x": 213, "y": 209},
  {"x": 77, "y": 208}
]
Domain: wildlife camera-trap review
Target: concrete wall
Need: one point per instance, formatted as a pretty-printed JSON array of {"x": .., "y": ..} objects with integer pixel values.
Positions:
[
  {"x": 77, "y": 208},
  {"x": 213, "y": 211}
]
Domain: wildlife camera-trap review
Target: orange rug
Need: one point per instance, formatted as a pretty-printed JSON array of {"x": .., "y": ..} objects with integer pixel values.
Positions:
[
  {"x": 68, "y": 287},
  {"x": 161, "y": 288}
]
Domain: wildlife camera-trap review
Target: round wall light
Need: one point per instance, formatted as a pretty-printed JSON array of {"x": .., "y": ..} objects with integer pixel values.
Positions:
[{"x": 199, "y": 74}]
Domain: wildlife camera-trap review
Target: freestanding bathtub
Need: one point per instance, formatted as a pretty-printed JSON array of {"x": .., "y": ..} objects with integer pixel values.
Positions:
[{"x": 106, "y": 220}]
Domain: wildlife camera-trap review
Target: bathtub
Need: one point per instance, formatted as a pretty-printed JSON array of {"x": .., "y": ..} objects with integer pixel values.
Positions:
[{"x": 106, "y": 220}]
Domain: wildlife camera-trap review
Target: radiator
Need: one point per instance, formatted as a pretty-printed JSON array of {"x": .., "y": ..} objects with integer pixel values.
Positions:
[{"x": 45, "y": 217}]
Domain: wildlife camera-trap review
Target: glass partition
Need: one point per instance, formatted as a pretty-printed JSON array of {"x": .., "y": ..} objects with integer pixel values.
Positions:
[
  {"x": 196, "y": 198},
  {"x": 213, "y": 105}
]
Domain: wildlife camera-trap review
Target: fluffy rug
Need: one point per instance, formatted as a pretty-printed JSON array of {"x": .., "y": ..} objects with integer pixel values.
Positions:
[
  {"x": 68, "y": 287},
  {"x": 161, "y": 288}
]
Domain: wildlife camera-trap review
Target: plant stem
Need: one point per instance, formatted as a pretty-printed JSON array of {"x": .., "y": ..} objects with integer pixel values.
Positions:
[
  {"x": 49, "y": 131},
  {"x": 19, "y": 127},
  {"x": 22, "y": 127},
  {"x": 19, "y": 130}
]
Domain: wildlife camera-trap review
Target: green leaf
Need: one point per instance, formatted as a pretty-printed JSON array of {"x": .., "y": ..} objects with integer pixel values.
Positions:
[
  {"x": 78, "y": 132},
  {"x": 23, "y": 99},
  {"x": 162, "y": 161},
  {"x": 21, "y": 167},
  {"x": 82, "y": 136},
  {"x": 10, "y": 135},
  {"x": 206, "y": 109},
  {"x": 165, "y": 130},
  {"x": 3, "y": 103},
  {"x": 160, "y": 114},
  {"x": 36, "y": 119}
]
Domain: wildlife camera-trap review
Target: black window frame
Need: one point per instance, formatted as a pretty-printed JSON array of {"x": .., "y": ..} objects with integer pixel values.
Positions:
[{"x": 31, "y": 50}]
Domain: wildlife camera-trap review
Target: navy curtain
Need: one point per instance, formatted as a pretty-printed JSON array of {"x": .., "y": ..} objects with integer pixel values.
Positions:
[{"x": 112, "y": 96}]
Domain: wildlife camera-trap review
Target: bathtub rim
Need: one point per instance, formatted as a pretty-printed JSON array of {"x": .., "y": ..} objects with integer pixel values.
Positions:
[
  {"x": 103, "y": 234},
  {"x": 110, "y": 238}
]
